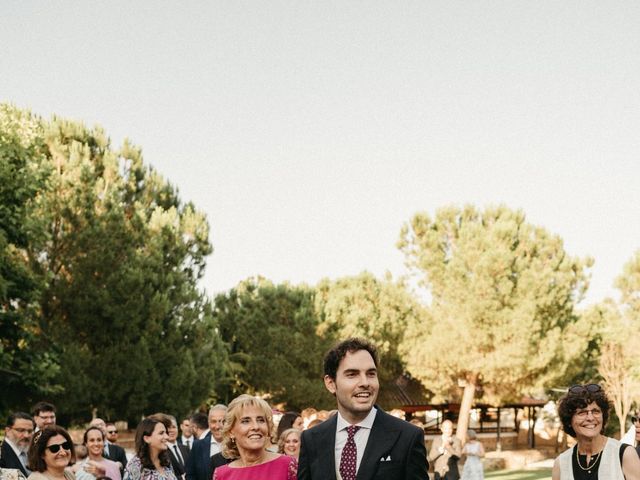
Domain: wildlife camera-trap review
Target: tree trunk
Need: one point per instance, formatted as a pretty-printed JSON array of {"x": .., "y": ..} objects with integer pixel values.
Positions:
[{"x": 465, "y": 406}]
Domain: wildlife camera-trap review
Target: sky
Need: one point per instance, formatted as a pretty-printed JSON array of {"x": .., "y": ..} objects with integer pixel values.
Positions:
[{"x": 310, "y": 132}]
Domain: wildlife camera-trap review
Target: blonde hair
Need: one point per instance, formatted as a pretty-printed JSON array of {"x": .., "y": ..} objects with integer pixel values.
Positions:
[
  {"x": 233, "y": 413},
  {"x": 284, "y": 435}
]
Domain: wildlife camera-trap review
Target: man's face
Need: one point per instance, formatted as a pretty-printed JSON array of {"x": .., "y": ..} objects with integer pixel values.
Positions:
[
  {"x": 20, "y": 433},
  {"x": 172, "y": 431},
  {"x": 44, "y": 419},
  {"x": 356, "y": 385},
  {"x": 185, "y": 426},
  {"x": 98, "y": 422},
  {"x": 216, "y": 419},
  {"x": 112, "y": 433}
]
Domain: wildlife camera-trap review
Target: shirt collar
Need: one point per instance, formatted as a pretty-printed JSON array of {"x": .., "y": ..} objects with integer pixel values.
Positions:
[
  {"x": 14, "y": 447},
  {"x": 366, "y": 423}
]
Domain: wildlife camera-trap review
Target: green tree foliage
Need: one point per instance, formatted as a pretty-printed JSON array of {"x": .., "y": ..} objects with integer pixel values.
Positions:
[
  {"x": 273, "y": 344},
  {"x": 25, "y": 372},
  {"x": 503, "y": 294},
  {"x": 119, "y": 257},
  {"x": 363, "y": 306}
]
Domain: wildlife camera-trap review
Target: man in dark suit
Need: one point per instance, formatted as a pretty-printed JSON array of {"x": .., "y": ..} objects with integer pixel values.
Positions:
[
  {"x": 186, "y": 439},
  {"x": 17, "y": 436},
  {"x": 199, "y": 463},
  {"x": 361, "y": 441},
  {"x": 178, "y": 453},
  {"x": 111, "y": 450}
]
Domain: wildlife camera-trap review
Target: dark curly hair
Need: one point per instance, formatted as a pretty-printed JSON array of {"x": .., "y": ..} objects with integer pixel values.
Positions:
[
  {"x": 334, "y": 356},
  {"x": 146, "y": 428},
  {"x": 39, "y": 445},
  {"x": 571, "y": 402}
]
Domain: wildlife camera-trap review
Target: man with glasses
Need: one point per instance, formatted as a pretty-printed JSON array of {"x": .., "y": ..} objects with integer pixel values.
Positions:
[
  {"x": 17, "y": 437},
  {"x": 44, "y": 414},
  {"x": 112, "y": 433}
]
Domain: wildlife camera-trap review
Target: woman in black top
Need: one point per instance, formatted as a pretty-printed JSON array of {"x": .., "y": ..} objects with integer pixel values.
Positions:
[{"x": 584, "y": 412}]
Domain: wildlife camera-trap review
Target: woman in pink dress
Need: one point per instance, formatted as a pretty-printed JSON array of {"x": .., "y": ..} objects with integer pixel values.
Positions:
[{"x": 248, "y": 426}]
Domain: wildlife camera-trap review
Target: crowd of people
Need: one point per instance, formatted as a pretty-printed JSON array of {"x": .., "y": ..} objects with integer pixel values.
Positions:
[{"x": 242, "y": 441}]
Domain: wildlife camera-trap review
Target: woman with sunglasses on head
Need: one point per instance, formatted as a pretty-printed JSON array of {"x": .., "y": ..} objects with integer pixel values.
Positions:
[
  {"x": 584, "y": 412},
  {"x": 152, "y": 460},
  {"x": 50, "y": 453},
  {"x": 95, "y": 465}
]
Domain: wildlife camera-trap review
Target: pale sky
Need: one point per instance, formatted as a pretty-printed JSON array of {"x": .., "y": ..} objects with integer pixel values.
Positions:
[{"x": 309, "y": 132}]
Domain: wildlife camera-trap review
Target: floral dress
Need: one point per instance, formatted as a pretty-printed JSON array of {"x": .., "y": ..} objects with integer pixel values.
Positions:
[{"x": 135, "y": 471}]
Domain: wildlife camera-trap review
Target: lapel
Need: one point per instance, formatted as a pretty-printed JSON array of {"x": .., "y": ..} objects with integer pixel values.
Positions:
[
  {"x": 325, "y": 443},
  {"x": 8, "y": 453},
  {"x": 381, "y": 439}
]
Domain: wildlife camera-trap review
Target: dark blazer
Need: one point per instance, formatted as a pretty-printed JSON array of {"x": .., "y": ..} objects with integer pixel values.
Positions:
[
  {"x": 395, "y": 451},
  {"x": 197, "y": 467},
  {"x": 217, "y": 461},
  {"x": 9, "y": 459},
  {"x": 117, "y": 454},
  {"x": 178, "y": 467}
]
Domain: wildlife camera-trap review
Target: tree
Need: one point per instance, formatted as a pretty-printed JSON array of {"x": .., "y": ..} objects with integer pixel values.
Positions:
[
  {"x": 619, "y": 356},
  {"x": 502, "y": 298},
  {"x": 363, "y": 306},
  {"x": 274, "y": 347},
  {"x": 25, "y": 370},
  {"x": 119, "y": 256}
]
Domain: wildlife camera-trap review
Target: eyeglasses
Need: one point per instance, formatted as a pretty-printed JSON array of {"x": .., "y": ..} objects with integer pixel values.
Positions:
[
  {"x": 47, "y": 417},
  {"x": 28, "y": 431},
  {"x": 56, "y": 448},
  {"x": 589, "y": 388},
  {"x": 112, "y": 432},
  {"x": 596, "y": 412}
]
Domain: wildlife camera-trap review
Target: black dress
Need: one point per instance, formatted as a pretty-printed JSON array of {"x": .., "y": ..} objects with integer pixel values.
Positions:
[{"x": 592, "y": 472}]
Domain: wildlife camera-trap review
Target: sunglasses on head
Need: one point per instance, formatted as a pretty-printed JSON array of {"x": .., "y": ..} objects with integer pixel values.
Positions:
[
  {"x": 589, "y": 388},
  {"x": 56, "y": 448}
]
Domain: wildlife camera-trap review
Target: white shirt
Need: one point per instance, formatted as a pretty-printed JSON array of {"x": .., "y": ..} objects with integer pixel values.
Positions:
[
  {"x": 203, "y": 434},
  {"x": 14, "y": 447},
  {"x": 215, "y": 447},
  {"x": 361, "y": 438},
  {"x": 176, "y": 451},
  {"x": 186, "y": 441}
]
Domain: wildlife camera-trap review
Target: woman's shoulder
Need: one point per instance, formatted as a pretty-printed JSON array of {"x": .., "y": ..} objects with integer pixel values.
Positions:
[{"x": 37, "y": 476}]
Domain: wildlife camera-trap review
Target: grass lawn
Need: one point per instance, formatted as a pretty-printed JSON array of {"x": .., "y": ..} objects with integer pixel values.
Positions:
[{"x": 542, "y": 474}]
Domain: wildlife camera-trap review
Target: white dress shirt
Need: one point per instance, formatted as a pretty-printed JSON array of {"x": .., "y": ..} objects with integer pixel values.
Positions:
[
  {"x": 186, "y": 441},
  {"x": 215, "y": 447},
  {"x": 361, "y": 438}
]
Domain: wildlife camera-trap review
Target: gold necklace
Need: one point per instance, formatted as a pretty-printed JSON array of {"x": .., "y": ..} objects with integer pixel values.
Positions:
[{"x": 593, "y": 464}]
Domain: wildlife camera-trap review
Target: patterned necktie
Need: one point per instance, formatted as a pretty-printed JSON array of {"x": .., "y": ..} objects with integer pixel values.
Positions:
[{"x": 349, "y": 455}]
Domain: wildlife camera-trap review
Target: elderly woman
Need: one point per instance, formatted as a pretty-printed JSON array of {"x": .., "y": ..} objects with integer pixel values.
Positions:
[
  {"x": 50, "y": 453},
  {"x": 584, "y": 412},
  {"x": 95, "y": 465},
  {"x": 248, "y": 426},
  {"x": 289, "y": 442},
  {"x": 151, "y": 461}
]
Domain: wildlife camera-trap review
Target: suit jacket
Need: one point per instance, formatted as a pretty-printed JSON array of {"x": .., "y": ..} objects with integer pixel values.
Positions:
[
  {"x": 9, "y": 459},
  {"x": 197, "y": 467},
  {"x": 446, "y": 464},
  {"x": 178, "y": 468},
  {"x": 395, "y": 451},
  {"x": 117, "y": 454},
  {"x": 217, "y": 461},
  {"x": 184, "y": 444}
]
